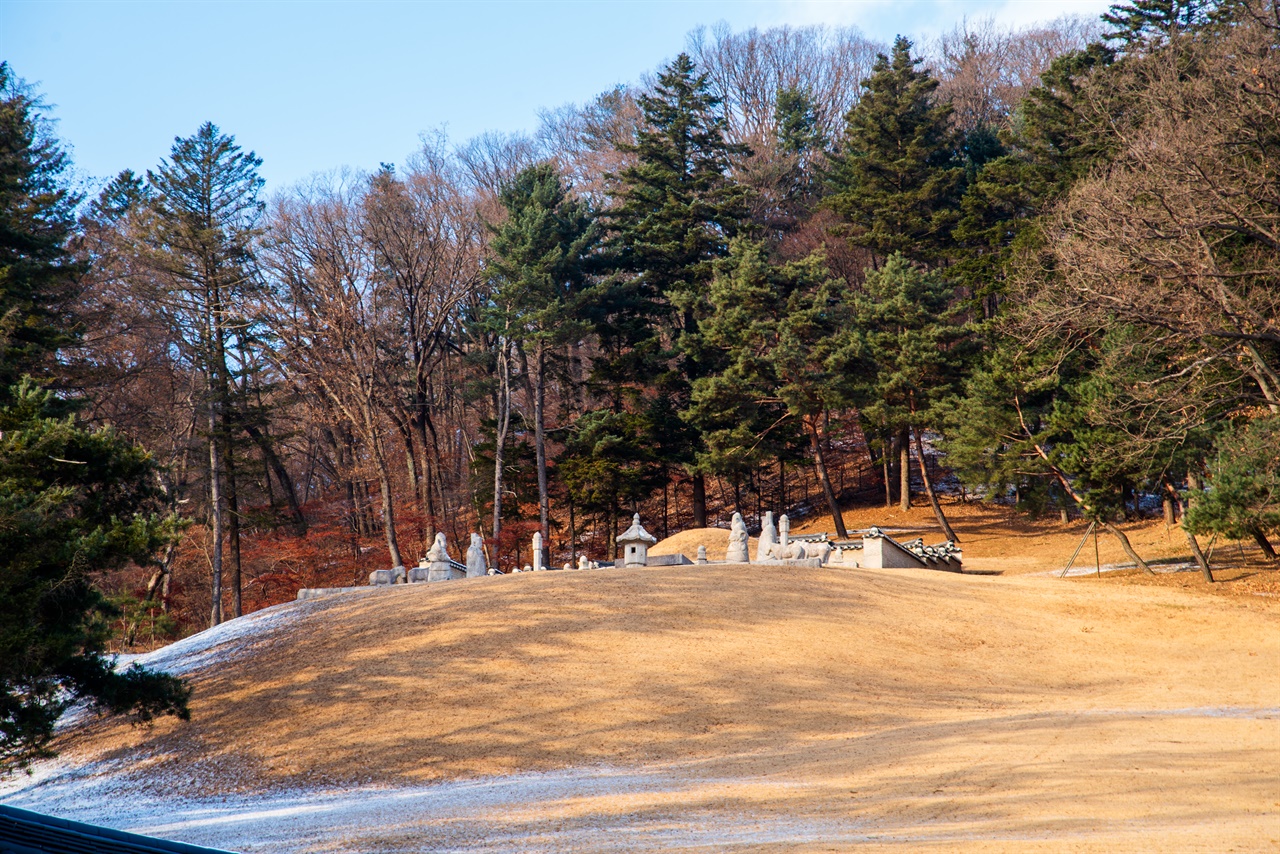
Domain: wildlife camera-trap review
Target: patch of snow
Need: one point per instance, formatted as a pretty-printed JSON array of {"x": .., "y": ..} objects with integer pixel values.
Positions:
[
  {"x": 1077, "y": 571},
  {"x": 192, "y": 653},
  {"x": 661, "y": 809},
  {"x": 592, "y": 808}
]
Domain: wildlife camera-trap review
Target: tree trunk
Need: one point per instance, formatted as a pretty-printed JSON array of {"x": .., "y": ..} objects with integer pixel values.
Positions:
[
  {"x": 782, "y": 486},
  {"x": 1260, "y": 538},
  {"x": 540, "y": 450},
  {"x": 1127, "y": 546},
  {"x": 904, "y": 470},
  {"x": 388, "y": 503},
  {"x": 699, "y": 500},
  {"x": 1175, "y": 509},
  {"x": 233, "y": 531},
  {"x": 573, "y": 533},
  {"x": 157, "y": 582},
  {"x": 888, "y": 474},
  {"x": 215, "y": 505},
  {"x": 1075, "y": 496},
  {"x": 933, "y": 498},
  {"x": 819, "y": 461},
  {"x": 1201, "y": 560},
  {"x": 298, "y": 521},
  {"x": 502, "y": 407}
]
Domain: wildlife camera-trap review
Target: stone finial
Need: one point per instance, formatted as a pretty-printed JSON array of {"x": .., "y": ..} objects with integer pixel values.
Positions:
[
  {"x": 768, "y": 536},
  {"x": 702, "y": 554},
  {"x": 784, "y": 531},
  {"x": 635, "y": 542},
  {"x": 475, "y": 558},
  {"x": 737, "y": 551},
  {"x": 537, "y": 551}
]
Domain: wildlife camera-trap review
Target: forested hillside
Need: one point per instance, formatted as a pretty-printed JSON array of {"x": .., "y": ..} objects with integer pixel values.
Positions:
[{"x": 792, "y": 270}]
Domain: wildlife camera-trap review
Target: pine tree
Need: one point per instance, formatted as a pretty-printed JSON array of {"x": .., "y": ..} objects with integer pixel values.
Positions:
[
  {"x": 1243, "y": 500},
  {"x": 72, "y": 502},
  {"x": 1053, "y": 143},
  {"x": 200, "y": 229},
  {"x": 779, "y": 329},
  {"x": 907, "y": 354},
  {"x": 676, "y": 210},
  {"x": 38, "y": 277},
  {"x": 538, "y": 269},
  {"x": 1150, "y": 23},
  {"x": 895, "y": 180}
]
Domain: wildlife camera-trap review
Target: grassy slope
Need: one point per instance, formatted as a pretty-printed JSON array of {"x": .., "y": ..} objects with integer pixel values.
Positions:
[{"x": 914, "y": 697}]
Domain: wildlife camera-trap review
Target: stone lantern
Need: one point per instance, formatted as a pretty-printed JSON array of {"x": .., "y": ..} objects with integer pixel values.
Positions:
[{"x": 635, "y": 542}]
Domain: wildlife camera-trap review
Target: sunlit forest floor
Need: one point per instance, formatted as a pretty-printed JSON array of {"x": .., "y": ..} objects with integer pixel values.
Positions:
[{"x": 997, "y": 539}]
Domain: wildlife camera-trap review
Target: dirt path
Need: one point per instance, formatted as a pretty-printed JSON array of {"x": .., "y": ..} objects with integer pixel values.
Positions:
[{"x": 717, "y": 707}]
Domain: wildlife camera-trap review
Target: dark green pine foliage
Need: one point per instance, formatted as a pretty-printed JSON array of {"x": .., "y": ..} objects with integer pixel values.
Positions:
[
  {"x": 1052, "y": 144},
  {"x": 72, "y": 502},
  {"x": 38, "y": 278},
  {"x": 676, "y": 209},
  {"x": 1243, "y": 500},
  {"x": 538, "y": 267},
  {"x": 908, "y": 351},
  {"x": 801, "y": 142},
  {"x": 778, "y": 330},
  {"x": 1149, "y": 23},
  {"x": 896, "y": 180},
  {"x": 615, "y": 459}
]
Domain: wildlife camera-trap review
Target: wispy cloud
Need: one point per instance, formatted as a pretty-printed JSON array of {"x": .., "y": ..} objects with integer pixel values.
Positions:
[{"x": 883, "y": 19}]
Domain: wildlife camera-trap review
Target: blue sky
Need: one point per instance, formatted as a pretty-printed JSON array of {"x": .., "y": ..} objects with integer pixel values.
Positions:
[{"x": 311, "y": 86}]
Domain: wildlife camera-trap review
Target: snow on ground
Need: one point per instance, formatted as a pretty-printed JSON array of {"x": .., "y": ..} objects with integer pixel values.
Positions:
[
  {"x": 1077, "y": 570},
  {"x": 184, "y": 657},
  {"x": 234, "y": 636},
  {"x": 596, "y": 808},
  {"x": 574, "y": 809}
]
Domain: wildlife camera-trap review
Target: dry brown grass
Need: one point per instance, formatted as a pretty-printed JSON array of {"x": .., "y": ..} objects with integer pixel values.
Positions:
[{"x": 948, "y": 711}]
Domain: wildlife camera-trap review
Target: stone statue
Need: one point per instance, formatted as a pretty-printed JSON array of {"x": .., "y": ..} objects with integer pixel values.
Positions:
[
  {"x": 438, "y": 552},
  {"x": 702, "y": 554},
  {"x": 583, "y": 563},
  {"x": 475, "y": 558},
  {"x": 768, "y": 537},
  {"x": 737, "y": 551}
]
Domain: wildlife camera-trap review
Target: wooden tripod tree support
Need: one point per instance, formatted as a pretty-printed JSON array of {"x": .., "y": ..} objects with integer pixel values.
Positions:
[{"x": 1092, "y": 529}]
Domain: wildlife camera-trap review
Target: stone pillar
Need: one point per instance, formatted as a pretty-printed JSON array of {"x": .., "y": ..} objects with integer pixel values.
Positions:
[
  {"x": 784, "y": 531},
  {"x": 537, "y": 551},
  {"x": 475, "y": 558},
  {"x": 702, "y": 554},
  {"x": 768, "y": 536},
  {"x": 737, "y": 551}
]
